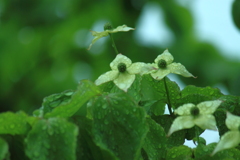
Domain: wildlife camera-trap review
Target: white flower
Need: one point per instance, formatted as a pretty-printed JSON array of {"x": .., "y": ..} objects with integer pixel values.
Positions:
[
  {"x": 200, "y": 115},
  {"x": 231, "y": 138},
  {"x": 165, "y": 65},
  {"x": 123, "y": 72},
  {"x": 98, "y": 35}
]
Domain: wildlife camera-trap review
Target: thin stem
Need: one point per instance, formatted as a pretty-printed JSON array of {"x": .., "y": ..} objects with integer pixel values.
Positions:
[
  {"x": 197, "y": 134},
  {"x": 113, "y": 43},
  {"x": 168, "y": 97}
]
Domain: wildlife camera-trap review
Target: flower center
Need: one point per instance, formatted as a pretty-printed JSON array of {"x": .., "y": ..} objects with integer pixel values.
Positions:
[
  {"x": 162, "y": 63},
  {"x": 194, "y": 111},
  {"x": 107, "y": 26},
  {"x": 122, "y": 67}
]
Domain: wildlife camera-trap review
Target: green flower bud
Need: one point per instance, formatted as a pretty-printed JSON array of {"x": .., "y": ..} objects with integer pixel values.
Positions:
[
  {"x": 122, "y": 67},
  {"x": 108, "y": 26},
  {"x": 162, "y": 63},
  {"x": 194, "y": 111}
]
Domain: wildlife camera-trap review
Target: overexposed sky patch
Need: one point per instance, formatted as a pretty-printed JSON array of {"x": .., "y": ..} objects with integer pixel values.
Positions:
[
  {"x": 151, "y": 29},
  {"x": 213, "y": 23}
]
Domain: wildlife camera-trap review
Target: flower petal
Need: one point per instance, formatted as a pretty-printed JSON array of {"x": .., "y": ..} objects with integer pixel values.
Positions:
[
  {"x": 180, "y": 123},
  {"x": 209, "y": 107},
  {"x": 106, "y": 77},
  {"x": 97, "y": 35},
  {"x": 232, "y": 121},
  {"x": 165, "y": 56},
  {"x": 123, "y": 28},
  {"x": 140, "y": 68},
  {"x": 206, "y": 122},
  {"x": 120, "y": 59},
  {"x": 178, "y": 68},
  {"x": 184, "y": 109},
  {"x": 160, "y": 73},
  {"x": 229, "y": 140},
  {"x": 124, "y": 81}
]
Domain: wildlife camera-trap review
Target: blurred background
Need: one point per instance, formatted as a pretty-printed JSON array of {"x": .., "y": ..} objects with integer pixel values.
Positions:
[{"x": 43, "y": 43}]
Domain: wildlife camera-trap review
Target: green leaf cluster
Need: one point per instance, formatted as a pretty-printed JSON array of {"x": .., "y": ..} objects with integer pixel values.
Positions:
[{"x": 104, "y": 122}]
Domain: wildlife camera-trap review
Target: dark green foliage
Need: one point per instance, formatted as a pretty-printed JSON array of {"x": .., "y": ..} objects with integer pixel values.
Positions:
[
  {"x": 3, "y": 149},
  {"x": 179, "y": 153},
  {"x": 176, "y": 138},
  {"x": 155, "y": 90},
  {"x": 13, "y": 123},
  {"x": 236, "y": 13},
  {"x": 155, "y": 141},
  {"x": 107, "y": 123},
  {"x": 54, "y": 138},
  {"x": 52, "y": 101},
  {"x": 85, "y": 91},
  {"x": 118, "y": 128},
  {"x": 204, "y": 152},
  {"x": 48, "y": 41},
  {"x": 195, "y": 95}
]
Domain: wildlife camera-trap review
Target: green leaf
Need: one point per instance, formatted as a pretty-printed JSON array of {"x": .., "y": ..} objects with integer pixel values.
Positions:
[
  {"x": 213, "y": 93},
  {"x": 54, "y": 138},
  {"x": 179, "y": 153},
  {"x": 157, "y": 108},
  {"x": 119, "y": 125},
  {"x": 85, "y": 91},
  {"x": 147, "y": 105},
  {"x": 86, "y": 148},
  {"x": 133, "y": 91},
  {"x": 230, "y": 103},
  {"x": 155, "y": 90},
  {"x": 54, "y": 100},
  {"x": 204, "y": 152},
  {"x": 16, "y": 147},
  {"x": 98, "y": 35},
  {"x": 3, "y": 149},
  {"x": 191, "y": 133},
  {"x": 201, "y": 140},
  {"x": 177, "y": 138},
  {"x": 13, "y": 123},
  {"x": 192, "y": 98},
  {"x": 236, "y": 13},
  {"x": 152, "y": 89},
  {"x": 174, "y": 92},
  {"x": 195, "y": 95},
  {"x": 155, "y": 141},
  {"x": 220, "y": 116}
]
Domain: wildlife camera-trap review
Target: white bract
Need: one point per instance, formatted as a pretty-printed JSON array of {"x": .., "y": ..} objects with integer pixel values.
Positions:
[
  {"x": 123, "y": 72},
  {"x": 98, "y": 35},
  {"x": 231, "y": 138},
  {"x": 165, "y": 65},
  {"x": 191, "y": 115}
]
